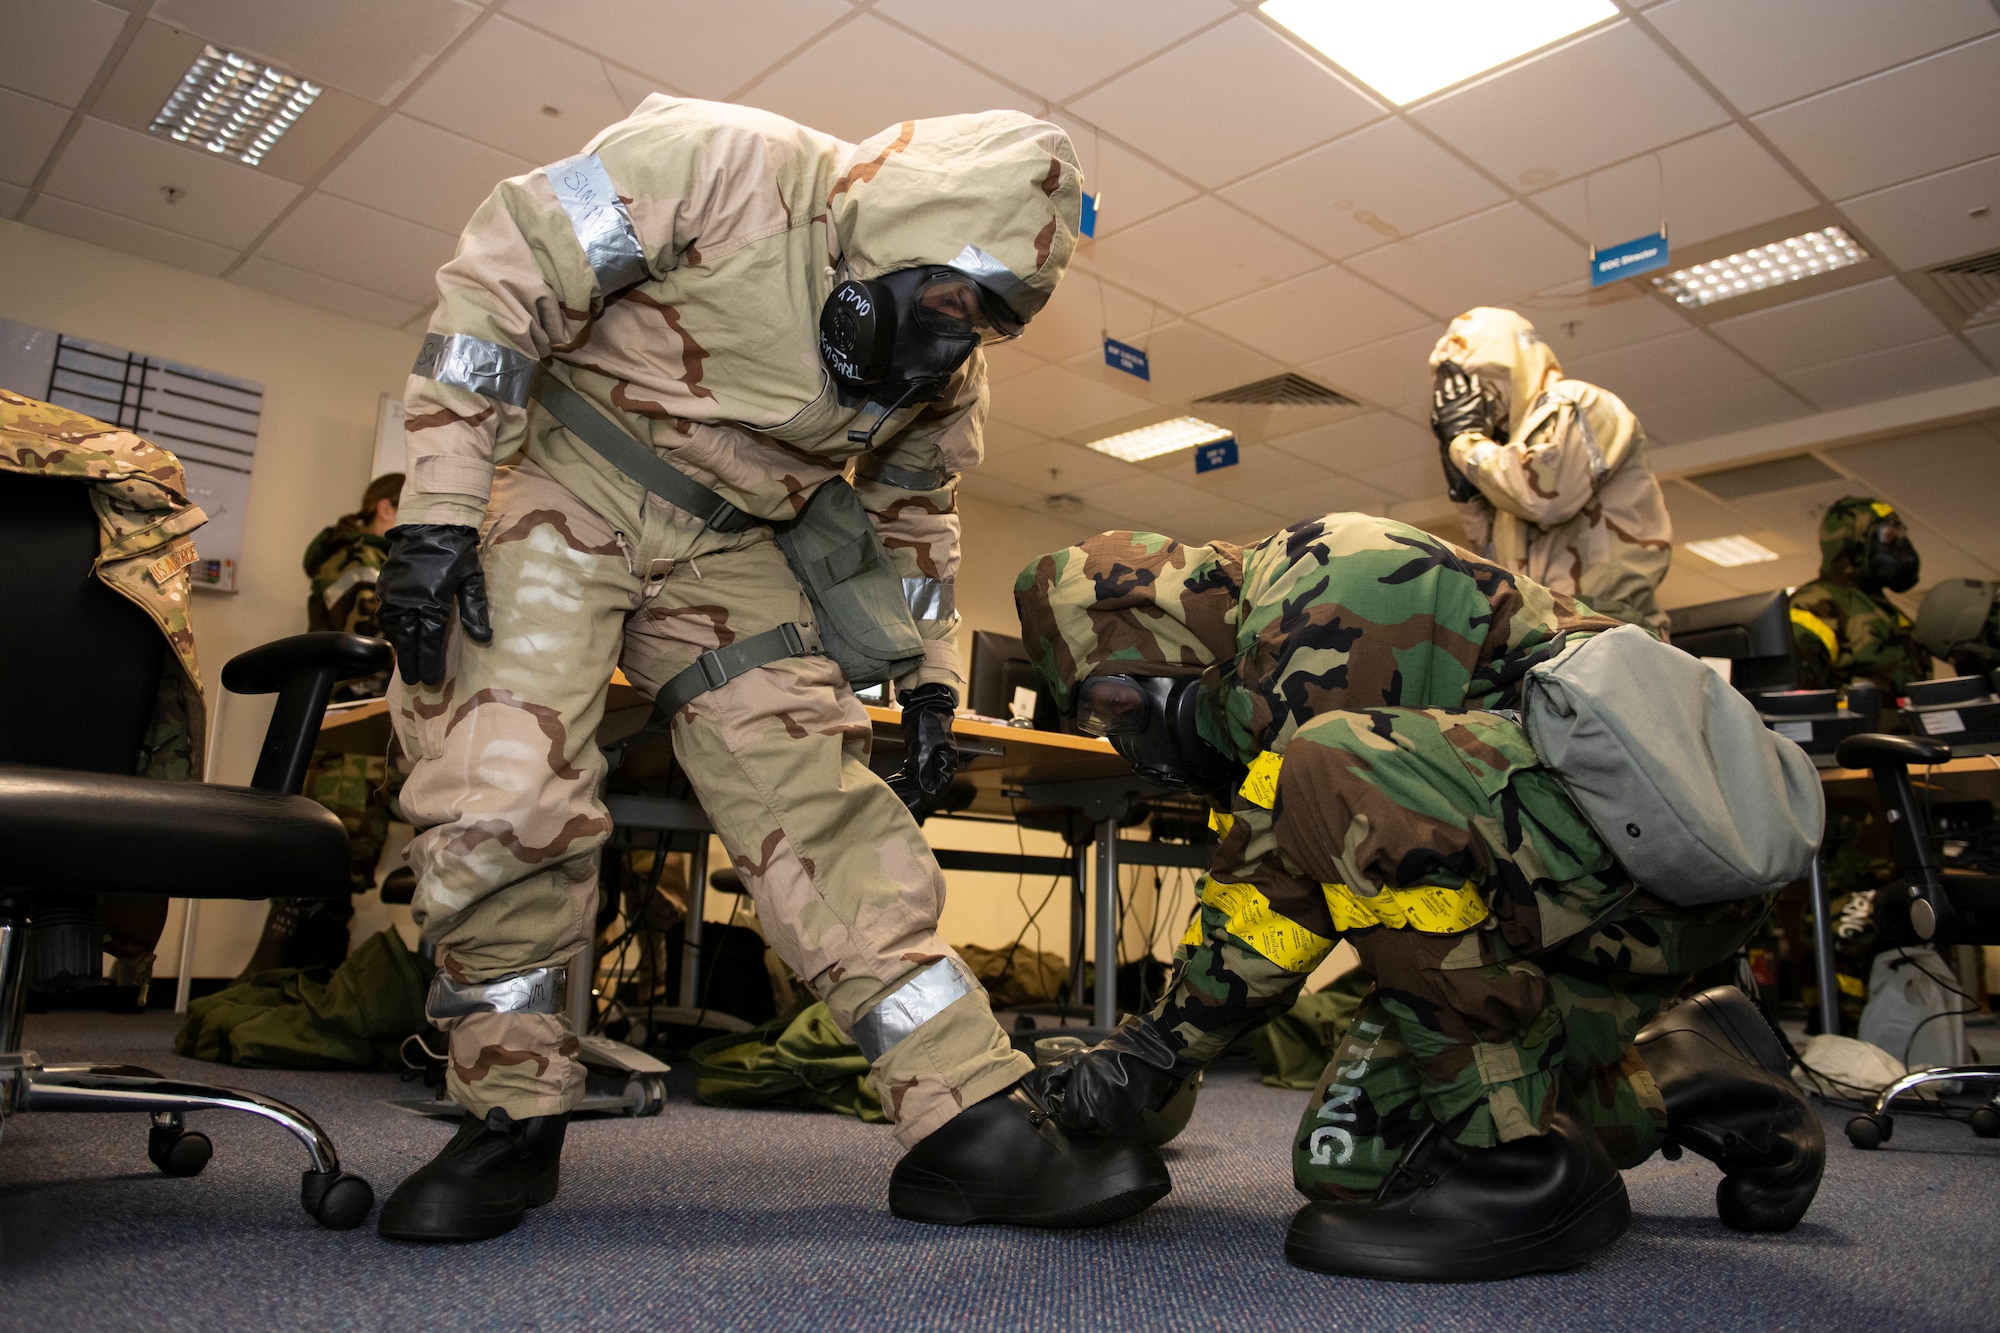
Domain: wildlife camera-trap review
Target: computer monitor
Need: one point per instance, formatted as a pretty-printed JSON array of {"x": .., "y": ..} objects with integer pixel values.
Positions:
[
  {"x": 999, "y": 667},
  {"x": 1753, "y": 632}
]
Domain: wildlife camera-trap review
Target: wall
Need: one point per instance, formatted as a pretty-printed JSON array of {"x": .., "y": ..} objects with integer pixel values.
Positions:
[{"x": 322, "y": 376}]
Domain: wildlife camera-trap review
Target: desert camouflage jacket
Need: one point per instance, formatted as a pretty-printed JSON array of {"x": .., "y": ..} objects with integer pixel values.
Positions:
[
  {"x": 143, "y": 521},
  {"x": 674, "y": 273},
  {"x": 1841, "y": 632},
  {"x": 1569, "y": 499}
]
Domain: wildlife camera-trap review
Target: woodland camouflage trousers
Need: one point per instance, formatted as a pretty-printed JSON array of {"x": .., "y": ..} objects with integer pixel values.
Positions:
[{"x": 507, "y": 774}]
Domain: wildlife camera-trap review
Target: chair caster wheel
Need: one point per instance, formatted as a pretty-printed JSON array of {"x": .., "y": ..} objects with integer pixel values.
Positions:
[
  {"x": 1986, "y": 1123},
  {"x": 645, "y": 1094},
  {"x": 1865, "y": 1131},
  {"x": 178, "y": 1152},
  {"x": 337, "y": 1201}
]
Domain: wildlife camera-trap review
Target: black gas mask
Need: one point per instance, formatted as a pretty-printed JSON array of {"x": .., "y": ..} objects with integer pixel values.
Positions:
[
  {"x": 1150, "y": 721},
  {"x": 896, "y": 339},
  {"x": 1892, "y": 562}
]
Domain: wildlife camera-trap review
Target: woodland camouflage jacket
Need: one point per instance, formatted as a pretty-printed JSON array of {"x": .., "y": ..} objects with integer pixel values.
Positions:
[
  {"x": 674, "y": 275},
  {"x": 1841, "y": 632},
  {"x": 1569, "y": 499},
  {"x": 143, "y": 520}
]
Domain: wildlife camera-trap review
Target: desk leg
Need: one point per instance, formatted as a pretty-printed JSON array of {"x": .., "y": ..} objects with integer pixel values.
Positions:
[
  {"x": 691, "y": 931},
  {"x": 1107, "y": 924},
  {"x": 1079, "y": 909},
  {"x": 1823, "y": 965}
]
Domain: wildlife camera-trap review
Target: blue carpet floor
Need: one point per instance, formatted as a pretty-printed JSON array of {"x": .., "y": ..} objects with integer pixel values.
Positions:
[{"x": 701, "y": 1218}]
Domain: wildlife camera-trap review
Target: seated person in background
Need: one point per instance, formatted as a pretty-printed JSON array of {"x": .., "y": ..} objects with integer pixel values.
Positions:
[
  {"x": 1334, "y": 692},
  {"x": 343, "y": 561},
  {"x": 1549, "y": 475},
  {"x": 144, "y": 518}
]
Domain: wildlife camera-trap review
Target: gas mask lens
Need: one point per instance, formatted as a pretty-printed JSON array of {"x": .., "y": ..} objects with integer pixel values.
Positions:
[
  {"x": 951, "y": 305},
  {"x": 1110, "y": 706}
]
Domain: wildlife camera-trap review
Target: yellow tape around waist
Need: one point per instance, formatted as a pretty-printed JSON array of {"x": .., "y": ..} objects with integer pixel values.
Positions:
[
  {"x": 1426, "y": 908},
  {"x": 1818, "y": 628},
  {"x": 1252, "y": 919}
]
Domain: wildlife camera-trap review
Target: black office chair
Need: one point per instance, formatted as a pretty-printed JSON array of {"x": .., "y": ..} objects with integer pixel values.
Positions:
[
  {"x": 1946, "y": 906},
  {"x": 77, "y": 683}
]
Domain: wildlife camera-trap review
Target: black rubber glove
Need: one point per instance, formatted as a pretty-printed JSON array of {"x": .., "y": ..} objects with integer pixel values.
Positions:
[
  {"x": 930, "y": 752},
  {"x": 431, "y": 566},
  {"x": 1461, "y": 403},
  {"x": 1109, "y": 1088}
]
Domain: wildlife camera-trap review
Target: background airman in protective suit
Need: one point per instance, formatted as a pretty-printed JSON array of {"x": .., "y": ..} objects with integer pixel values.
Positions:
[
  {"x": 677, "y": 278},
  {"x": 1549, "y": 475},
  {"x": 1340, "y": 692}
]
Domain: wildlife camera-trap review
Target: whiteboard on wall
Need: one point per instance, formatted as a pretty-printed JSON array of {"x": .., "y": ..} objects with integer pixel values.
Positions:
[
  {"x": 391, "y": 454},
  {"x": 207, "y": 420}
]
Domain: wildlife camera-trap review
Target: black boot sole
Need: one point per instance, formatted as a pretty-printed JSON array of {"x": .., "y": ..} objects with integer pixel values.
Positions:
[
  {"x": 1567, "y": 1242},
  {"x": 921, "y": 1196}
]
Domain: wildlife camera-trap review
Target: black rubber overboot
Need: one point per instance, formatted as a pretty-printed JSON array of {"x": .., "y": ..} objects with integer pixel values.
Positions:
[
  {"x": 1730, "y": 1097},
  {"x": 274, "y": 945},
  {"x": 484, "y": 1181},
  {"x": 1453, "y": 1214},
  {"x": 1006, "y": 1160}
]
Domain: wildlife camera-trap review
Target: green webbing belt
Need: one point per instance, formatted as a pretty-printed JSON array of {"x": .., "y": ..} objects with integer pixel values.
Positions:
[{"x": 718, "y": 666}]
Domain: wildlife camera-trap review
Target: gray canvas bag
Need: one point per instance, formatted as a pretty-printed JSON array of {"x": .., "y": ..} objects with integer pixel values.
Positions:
[{"x": 1695, "y": 796}]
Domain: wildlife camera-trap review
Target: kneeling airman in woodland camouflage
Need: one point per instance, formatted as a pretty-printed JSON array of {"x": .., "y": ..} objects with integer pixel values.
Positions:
[{"x": 1341, "y": 692}]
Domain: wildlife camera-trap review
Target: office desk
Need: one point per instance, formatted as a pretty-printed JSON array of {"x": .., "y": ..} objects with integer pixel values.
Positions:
[{"x": 1010, "y": 769}]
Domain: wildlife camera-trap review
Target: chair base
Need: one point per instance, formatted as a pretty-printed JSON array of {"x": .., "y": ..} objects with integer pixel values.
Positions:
[{"x": 1874, "y": 1127}]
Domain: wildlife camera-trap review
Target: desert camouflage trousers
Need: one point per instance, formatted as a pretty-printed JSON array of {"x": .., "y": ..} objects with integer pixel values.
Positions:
[
  {"x": 1516, "y": 962},
  {"x": 506, "y": 777}
]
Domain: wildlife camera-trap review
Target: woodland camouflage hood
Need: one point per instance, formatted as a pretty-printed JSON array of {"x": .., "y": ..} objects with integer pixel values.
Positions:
[{"x": 1843, "y": 535}]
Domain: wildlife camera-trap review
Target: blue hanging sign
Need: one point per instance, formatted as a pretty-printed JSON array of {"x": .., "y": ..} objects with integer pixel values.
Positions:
[
  {"x": 1209, "y": 457},
  {"x": 1623, "y": 261},
  {"x": 1125, "y": 357},
  {"x": 1089, "y": 224}
]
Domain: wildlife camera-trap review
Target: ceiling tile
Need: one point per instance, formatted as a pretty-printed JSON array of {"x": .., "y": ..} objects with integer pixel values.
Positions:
[
  {"x": 999, "y": 437},
  {"x": 823, "y": 87},
  {"x": 1775, "y": 50},
  {"x": 1909, "y": 122},
  {"x": 1280, "y": 482},
  {"x": 1487, "y": 259},
  {"x": 494, "y": 87},
  {"x": 1198, "y": 254},
  {"x": 1386, "y": 373},
  {"x": 1577, "y": 321},
  {"x": 420, "y": 322},
  {"x": 1057, "y": 401},
  {"x": 1683, "y": 587},
  {"x": 54, "y": 47},
  {"x": 1377, "y": 449},
  {"x": 311, "y": 289},
  {"x": 1139, "y": 497},
  {"x": 986, "y": 486},
  {"x": 1236, "y": 98},
  {"x": 1381, "y": 183},
  {"x": 1715, "y": 183},
  {"x": 1074, "y": 467},
  {"x": 1083, "y": 309},
  {"x": 1186, "y": 361},
  {"x": 11, "y": 199},
  {"x": 1842, "y": 323},
  {"x": 1006, "y": 360},
  {"x": 1016, "y": 40},
  {"x": 1719, "y": 411},
  {"x": 372, "y": 48},
  {"x": 1599, "y": 99},
  {"x": 704, "y": 48},
  {"x": 1663, "y": 368},
  {"x": 125, "y": 172},
  {"x": 33, "y": 126},
  {"x": 1129, "y": 187},
  {"x": 1887, "y": 374},
  {"x": 122, "y": 233},
  {"x": 1323, "y": 312},
  {"x": 1935, "y": 219},
  {"x": 1210, "y": 519},
  {"x": 361, "y": 247},
  {"x": 422, "y": 174},
  {"x": 1946, "y": 477},
  {"x": 1987, "y": 339},
  {"x": 1698, "y": 516}
]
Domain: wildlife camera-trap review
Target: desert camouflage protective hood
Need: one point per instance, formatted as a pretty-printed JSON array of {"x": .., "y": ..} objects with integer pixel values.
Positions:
[
  {"x": 1129, "y": 601},
  {"x": 921, "y": 191},
  {"x": 1502, "y": 349},
  {"x": 1843, "y": 535}
]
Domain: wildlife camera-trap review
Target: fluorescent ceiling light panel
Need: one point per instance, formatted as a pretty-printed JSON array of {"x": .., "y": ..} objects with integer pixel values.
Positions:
[
  {"x": 1731, "y": 551},
  {"x": 1152, "y": 441},
  {"x": 1771, "y": 265},
  {"x": 1406, "y": 49},
  {"x": 234, "y": 105}
]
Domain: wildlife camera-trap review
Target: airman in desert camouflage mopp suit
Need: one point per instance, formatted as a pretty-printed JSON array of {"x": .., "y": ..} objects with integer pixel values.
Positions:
[
  {"x": 678, "y": 278},
  {"x": 1341, "y": 692}
]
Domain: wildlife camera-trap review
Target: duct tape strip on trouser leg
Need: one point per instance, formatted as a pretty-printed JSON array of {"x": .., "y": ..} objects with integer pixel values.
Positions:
[
  {"x": 541, "y": 990},
  {"x": 922, "y": 998}
]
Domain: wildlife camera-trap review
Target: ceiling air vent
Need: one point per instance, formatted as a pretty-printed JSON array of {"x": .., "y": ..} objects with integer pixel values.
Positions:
[
  {"x": 1973, "y": 285},
  {"x": 1286, "y": 390}
]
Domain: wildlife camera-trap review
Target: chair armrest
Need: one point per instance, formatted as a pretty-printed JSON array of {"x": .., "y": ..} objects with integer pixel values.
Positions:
[
  {"x": 1873, "y": 749},
  {"x": 301, "y": 671}
]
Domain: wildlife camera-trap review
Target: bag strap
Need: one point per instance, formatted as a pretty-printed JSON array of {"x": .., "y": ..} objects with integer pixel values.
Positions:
[
  {"x": 895, "y": 474},
  {"x": 637, "y": 461},
  {"x": 714, "y": 669}
]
